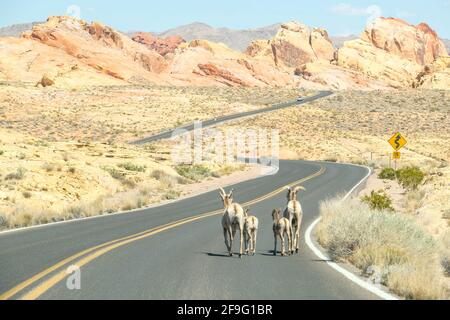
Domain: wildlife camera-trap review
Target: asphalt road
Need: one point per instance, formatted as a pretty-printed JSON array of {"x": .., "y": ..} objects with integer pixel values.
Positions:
[
  {"x": 176, "y": 251},
  {"x": 213, "y": 122},
  {"x": 187, "y": 261}
]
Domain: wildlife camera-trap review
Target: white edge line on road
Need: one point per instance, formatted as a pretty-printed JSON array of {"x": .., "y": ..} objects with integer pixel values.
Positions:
[{"x": 349, "y": 275}]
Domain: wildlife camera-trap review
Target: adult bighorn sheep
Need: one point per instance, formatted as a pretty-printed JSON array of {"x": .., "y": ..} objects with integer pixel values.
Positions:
[
  {"x": 250, "y": 233},
  {"x": 294, "y": 213},
  {"x": 233, "y": 220},
  {"x": 281, "y": 228}
]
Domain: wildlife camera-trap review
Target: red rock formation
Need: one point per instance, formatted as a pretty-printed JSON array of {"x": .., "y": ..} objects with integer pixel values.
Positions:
[
  {"x": 294, "y": 45},
  {"x": 100, "y": 47},
  {"x": 162, "y": 46},
  {"x": 419, "y": 44},
  {"x": 212, "y": 70}
]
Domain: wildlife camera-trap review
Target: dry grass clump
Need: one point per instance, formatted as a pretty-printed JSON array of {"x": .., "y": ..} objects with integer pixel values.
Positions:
[
  {"x": 407, "y": 258},
  {"x": 445, "y": 252}
]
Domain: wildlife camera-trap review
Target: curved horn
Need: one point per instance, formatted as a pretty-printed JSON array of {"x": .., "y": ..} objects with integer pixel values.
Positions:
[
  {"x": 231, "y": 193},
  {"x": 222, "y": 192},
  {"x": 297, "y": 189}
]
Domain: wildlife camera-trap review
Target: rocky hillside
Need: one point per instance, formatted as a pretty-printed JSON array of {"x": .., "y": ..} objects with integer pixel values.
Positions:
[
  {"x": 67, "y": 52},
  {"x": 395, "y": 52}
]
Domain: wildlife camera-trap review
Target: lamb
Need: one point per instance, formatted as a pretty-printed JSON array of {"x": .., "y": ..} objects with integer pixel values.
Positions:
[
  {"x": 281, "y": 228},
  {"x": 294, "y": 214},
  {"x": 250, "y": 233},
  {"x": 233, "y": 219}
]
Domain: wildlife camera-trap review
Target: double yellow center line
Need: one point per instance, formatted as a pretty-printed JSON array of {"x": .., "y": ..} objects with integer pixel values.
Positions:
[{"x": 36, "y": 290}]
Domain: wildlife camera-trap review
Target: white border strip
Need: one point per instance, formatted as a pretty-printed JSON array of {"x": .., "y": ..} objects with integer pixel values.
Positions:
[{"x": 349, "y": 275}]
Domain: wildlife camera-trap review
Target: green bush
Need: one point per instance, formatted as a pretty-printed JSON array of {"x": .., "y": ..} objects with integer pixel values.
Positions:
[
  {"x": 387, "y": 174},
  {"x": 410, "y": 178},
  {"x": 132, "y": 167},
  {"x": 116, "y": 174},
  {"x": 378, "y": 201},
  {"x": 193, "y": 172}
]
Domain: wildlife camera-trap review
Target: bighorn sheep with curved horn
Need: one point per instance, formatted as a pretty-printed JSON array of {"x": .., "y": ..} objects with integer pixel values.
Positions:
[
  {"x": 294, "y": 213},
  {"x": 281, "y": 228},
  {"x": 233, "y": 219}
]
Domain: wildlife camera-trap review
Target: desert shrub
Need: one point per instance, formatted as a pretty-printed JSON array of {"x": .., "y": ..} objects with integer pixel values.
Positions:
[
  {"x": 1, "y": 152},
  {"x": 407, "y": 257},
  {"x": 171, "y": 195},
  {"x": 3, "y": 222},
  {"x": 18, "y": 175},
  {"x": 72, "y": 170},
  {"x": 26, "y": 194},
  {"x": 387, "y": 174},
  {"x": 193, "y": 172},
  {"x": 445, "y": 253},
  {"x": 48, "y": 167},
  {"x": 167, "y": 179},
  {"x": 410, "y": 178},
  {"x": 74, "y": 212},
  {"x": 116, "y": 174},
  {"x": 227, "y": 170},
  {"x": 378, "y": 200},
  {"x": 413, "y": 200},
  {"x": 132, "y": 167}
]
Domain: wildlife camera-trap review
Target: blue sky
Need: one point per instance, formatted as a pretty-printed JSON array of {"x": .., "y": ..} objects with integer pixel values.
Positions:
[{"x": 338, "y": 17}]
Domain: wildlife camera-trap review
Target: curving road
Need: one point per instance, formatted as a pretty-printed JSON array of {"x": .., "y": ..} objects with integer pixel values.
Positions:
[
  {"x": 176, "y": 251},
  {"x": 214, "y": 122},
  {"x": 184, "y": 261}
]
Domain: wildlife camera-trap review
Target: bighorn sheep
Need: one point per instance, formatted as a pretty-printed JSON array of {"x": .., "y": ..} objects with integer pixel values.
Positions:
[
  {"x": 281, "y": 228},
  {"x": 250, "y": 233},
  {"x": 294, "y": 214},
  {"x": 233, "y": 219}
]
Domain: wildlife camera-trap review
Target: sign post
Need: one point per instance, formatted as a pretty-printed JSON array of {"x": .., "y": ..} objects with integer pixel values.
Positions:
[{"x": 397, "y": 142}]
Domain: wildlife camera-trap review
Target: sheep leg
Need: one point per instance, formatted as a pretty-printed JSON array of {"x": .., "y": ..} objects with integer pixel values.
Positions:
[
  {"x": 246, "y": 242},
  {"x": 225, "y": 235},
  {"x": 241, "y": 231},
  {"x": 230, "y": 232},
  {"x": 298, "y": 233},
  {"x": 291, "y": 250},
  {"x": 293, "y": 235},
  {"x": 254, "y": 241},
  {"x": 283, "y": 249},
  {"x": 275, "y": 249}
]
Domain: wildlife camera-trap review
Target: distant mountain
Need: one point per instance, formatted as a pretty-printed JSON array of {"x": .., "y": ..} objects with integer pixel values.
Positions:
[
  {"x": 338, "y": 41},
  {"x": 447, "y": 44},
  {"x": 235, "y": 39},
  {"x": 17, "y": 29}
]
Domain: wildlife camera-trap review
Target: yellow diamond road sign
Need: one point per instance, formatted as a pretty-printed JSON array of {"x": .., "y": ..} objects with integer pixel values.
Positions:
[
  {"x": 397, "y": 155},
  {"x": 397, "y": 141}
]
